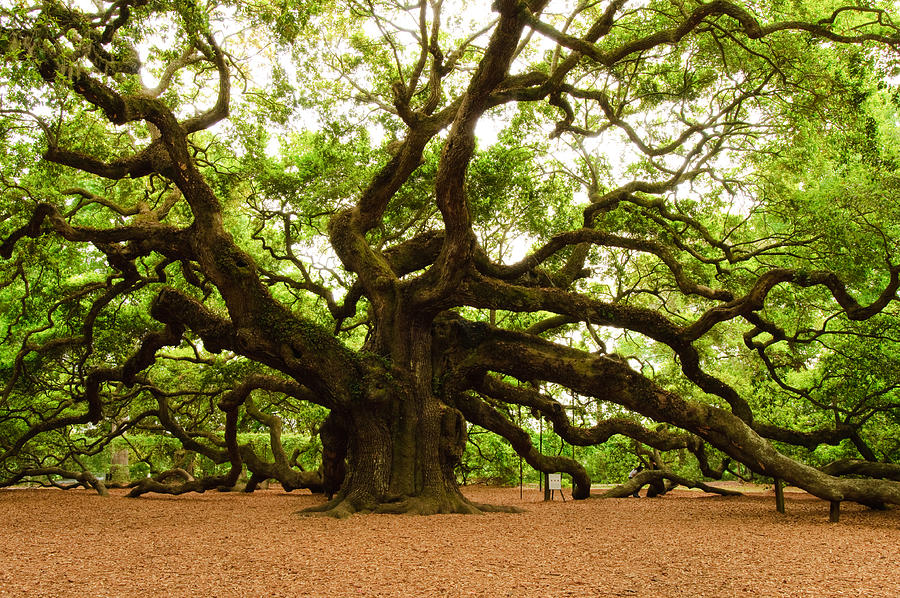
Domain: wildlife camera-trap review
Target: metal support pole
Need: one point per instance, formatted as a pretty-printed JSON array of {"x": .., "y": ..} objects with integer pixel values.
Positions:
[
  {"x": 540, "y": 448},
  {"x": 521, "y": 471},
  {"x": 521, "y": 480}
]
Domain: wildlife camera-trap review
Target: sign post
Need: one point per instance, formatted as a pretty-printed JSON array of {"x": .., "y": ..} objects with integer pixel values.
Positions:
[{"x": 554, "y": 482}]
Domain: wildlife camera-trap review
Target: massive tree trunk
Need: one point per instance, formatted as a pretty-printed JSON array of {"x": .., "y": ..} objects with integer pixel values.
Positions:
[{"x": 402, "y": 442}]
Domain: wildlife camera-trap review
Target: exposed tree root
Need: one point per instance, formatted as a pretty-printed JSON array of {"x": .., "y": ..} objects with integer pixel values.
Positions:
[
  {"x": 337, "y": 508},
  {"x": 489, "y": 508},
  {"x": 342, "y": 506}
]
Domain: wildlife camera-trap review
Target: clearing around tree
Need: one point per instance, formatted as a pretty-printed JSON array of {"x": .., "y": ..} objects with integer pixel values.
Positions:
[{"x": 76, "y": 543}]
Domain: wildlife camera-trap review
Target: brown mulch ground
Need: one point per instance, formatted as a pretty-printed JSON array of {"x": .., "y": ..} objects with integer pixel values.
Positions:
[{"x": 75, "y": 543}]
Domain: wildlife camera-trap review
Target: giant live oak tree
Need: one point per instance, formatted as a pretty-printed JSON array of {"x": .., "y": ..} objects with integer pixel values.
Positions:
[{"x": 423, "y": 216}]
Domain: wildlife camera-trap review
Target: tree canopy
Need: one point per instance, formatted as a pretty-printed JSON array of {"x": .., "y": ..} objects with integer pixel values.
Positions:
[{"x": 384, "y": 223}]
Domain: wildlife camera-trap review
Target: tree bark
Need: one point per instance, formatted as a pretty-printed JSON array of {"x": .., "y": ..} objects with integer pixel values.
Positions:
[
  {"x": 403, "y": 443},
  {"x": 649, "y": 476}
]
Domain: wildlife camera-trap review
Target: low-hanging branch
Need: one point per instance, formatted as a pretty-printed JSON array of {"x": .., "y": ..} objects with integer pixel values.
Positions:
[{"x": 527, "y": 358}]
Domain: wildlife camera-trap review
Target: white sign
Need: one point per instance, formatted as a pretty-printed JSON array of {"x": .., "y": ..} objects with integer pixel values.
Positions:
[{"x": 554, "y": 481}]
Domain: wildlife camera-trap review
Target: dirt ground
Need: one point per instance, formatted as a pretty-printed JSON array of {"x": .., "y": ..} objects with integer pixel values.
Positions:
[{"x": 75, "y": 543}]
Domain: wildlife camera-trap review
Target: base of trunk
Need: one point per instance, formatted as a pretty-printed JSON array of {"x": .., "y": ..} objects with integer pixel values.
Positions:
[{"x": 343, "y": 506}]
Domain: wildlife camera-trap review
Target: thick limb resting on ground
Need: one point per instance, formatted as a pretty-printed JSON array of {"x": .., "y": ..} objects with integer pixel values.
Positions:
[
  {"x": 81, "y": 478},
  {"x": 520, "y": 356},
  {"x": 648, "y": 476}
]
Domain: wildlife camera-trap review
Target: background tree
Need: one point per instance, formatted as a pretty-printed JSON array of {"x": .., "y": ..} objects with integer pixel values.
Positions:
[{"x": 420, "y": 217}]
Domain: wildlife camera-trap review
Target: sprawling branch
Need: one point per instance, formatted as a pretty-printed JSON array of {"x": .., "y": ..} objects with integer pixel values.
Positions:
[
  {"x": 82, "y": 478},
  {"x": 596, "y": 434},
  {"x": 650, "y": 475},
  {"x": 149, "y": 236},
  {"x": 138, "y": 361},
  {"x": 704, "y": 13},
  {"x": 451, "y": 199},
  {"x": 527, "y": 358},
  {"x": 868, "y": 469},
  {"x": 478, "y": 412},
  {"x": 593, "y": 236}
]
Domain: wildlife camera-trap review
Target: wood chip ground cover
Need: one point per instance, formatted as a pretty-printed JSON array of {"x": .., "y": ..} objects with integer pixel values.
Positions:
[{"x": 75, "y": 543}]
